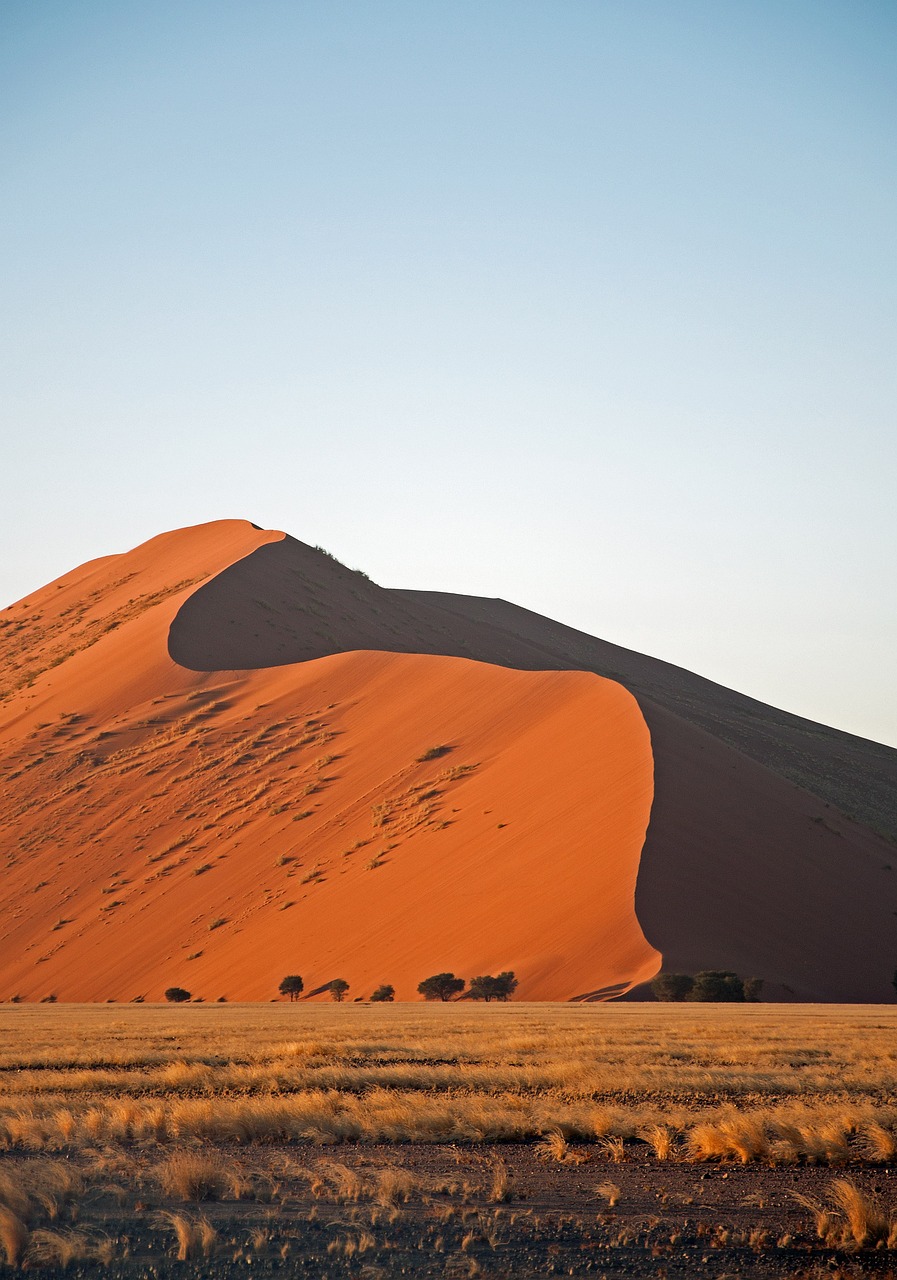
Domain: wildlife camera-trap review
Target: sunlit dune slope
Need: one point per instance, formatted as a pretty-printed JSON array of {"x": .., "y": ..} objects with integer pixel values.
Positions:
[{"x": 163, "y": 826}]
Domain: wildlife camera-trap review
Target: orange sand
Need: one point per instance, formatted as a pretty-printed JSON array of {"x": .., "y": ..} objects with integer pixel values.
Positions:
[{"x": 145, "y": 802}]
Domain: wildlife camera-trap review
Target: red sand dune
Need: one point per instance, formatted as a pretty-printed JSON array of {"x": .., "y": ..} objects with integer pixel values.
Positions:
[
  {"x": 167, "y": 715},
  {"x": 291, "y": 803}
]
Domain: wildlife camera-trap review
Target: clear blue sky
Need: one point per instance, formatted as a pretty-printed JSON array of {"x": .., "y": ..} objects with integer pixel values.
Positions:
[{"x": 589, "y": 304}]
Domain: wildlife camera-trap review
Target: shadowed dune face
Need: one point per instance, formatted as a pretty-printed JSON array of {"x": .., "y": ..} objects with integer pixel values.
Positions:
[
  {"x": 743, "y": 870},
  {"x": 286, "y": 602}
]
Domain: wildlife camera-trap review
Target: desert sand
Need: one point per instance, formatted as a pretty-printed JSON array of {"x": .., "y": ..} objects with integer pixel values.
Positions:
[{"x": 214, "y": 751}]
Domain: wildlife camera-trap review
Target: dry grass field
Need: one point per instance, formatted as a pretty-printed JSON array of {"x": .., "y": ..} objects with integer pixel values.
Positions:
[{"x": 448, "y": 1140}]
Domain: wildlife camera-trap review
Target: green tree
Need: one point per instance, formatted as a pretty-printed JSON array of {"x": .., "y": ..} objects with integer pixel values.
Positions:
[
  {"x": 499, "y": 987},
  {"x": 442, "y": 986},
  {"x": 176, "y": 995},
  {"x": 383, "y": 995},
  {"x": 753, "y": 990},
  {"x": 338, "y": 988},
  {"x": 717, "y": 985},
  {"x": 291, "y": 986},
  {"x": 672, "y": 986}
]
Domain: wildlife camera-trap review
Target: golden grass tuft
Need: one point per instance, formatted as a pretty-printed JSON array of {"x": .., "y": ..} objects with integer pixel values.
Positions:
[
  {"x": 347, "y": 1183},
  {"x": 393, "y": 1186},
  {"x": 195, "y": 1237},
  {"x": 660, "y": 1139},
  {"x": 865, "y": 1220},
  {"x": 14, "y": 1236},
  {"x": 12, "y": 1195},
  {"x": 878, "y": 1143},
  {"x": 62, "y": 1247},
  {"x": 608, "y": 1191},
  {"x": 500, "y": 1184},
  {"x": 553, "y": 1146},
  {"x": 851, "y": 1218},
  {"x": 193, "y": 1175},
  {"x": 613, "y": 1147},
  {"x": 742, "y": 1137}
]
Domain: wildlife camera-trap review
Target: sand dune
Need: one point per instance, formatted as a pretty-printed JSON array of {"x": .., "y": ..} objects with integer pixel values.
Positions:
[
  {"x": 291, "y": 804},
  {"x": 224, "y": 727}
]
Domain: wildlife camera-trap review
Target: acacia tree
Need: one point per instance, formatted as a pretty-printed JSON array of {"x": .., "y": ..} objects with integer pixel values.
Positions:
[
  {"x": 291, "y": 986},
  {"x": 442, "y": 986},
  {"x": 176, "y": 995},
  {"x": 338, "y": 988},
  {"x": 488, "y": 987},
  {"x": 672, "y": 986},
  {"x": 384, "y": 994},
  {"x": 717, "y": 985}
]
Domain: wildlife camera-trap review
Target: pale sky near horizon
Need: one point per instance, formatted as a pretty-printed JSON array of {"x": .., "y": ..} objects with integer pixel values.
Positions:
[{"x": 586, "y": 304}]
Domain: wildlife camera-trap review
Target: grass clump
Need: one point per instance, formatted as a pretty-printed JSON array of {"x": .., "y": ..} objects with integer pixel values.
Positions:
[
  {"x": 850, "y": 1217},
  {"x": 193, "y": 1175},
  {"x": 14, "y": 1236}
]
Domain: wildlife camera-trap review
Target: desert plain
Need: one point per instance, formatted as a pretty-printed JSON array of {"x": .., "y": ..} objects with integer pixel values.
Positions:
[{"x": 448, "y": 1140}]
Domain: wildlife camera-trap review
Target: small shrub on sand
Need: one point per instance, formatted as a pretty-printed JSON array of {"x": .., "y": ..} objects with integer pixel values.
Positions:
[{"x": 177, "y": 995}]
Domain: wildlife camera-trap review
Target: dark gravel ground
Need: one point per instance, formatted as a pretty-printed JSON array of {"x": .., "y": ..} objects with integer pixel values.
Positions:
[{"x": 669, "y": 1219}]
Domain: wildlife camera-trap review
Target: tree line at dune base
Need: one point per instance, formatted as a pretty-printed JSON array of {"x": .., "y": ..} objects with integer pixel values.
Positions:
[
  {"x": 441, "y": 986},
  {"x": 710, "y": 985}
]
